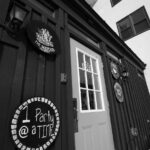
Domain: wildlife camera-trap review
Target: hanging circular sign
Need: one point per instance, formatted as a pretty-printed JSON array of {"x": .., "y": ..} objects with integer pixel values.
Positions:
[
  {"x": 43, "y": 37},
  {"x": 118, "y": 92},
  {"x": 35, "y": 124},
  {"x": 114, "y": 70}
]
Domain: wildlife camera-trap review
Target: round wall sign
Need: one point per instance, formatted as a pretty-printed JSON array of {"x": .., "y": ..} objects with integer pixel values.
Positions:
[
  {"x": 43, "y": 37},
  {"x": 118, "y": 92},
  {"x": 114, "y": 70},
  {"x": 35, "y": 124}
]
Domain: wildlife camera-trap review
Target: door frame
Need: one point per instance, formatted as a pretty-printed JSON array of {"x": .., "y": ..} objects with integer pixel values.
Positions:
[
  {"x": 76, "y": 33},
  {"x": 105, "y": 103}
]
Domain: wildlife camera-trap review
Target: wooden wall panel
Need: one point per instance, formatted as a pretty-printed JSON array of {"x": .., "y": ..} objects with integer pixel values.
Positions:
[
  {"x": 26, "y": 72},
  {"x": 8, "y": 57},
  {"x": 133, "y": 112}
]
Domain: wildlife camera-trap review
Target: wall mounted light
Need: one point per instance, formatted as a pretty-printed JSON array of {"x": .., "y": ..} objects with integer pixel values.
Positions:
[
  {"x": 124, "y": 71},
  {"x": 16, "y": 17}
]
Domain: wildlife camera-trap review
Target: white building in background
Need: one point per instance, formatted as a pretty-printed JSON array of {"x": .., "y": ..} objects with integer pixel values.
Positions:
[{"x": 130, "y": 20}]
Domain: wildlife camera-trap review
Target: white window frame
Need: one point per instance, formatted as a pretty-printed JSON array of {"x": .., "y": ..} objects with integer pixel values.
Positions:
[{"x": 87, "y": 89}]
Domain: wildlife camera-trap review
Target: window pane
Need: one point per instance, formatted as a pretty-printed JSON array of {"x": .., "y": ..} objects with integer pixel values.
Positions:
[
  {"x": 99, "y": 101},
  {"x": 81, "y": 62},
  {"x": 125, "y": 28},
  {"x": 141, "y": 26},
  {"x": 84, "y": 100},
  {"x": 124, "y": 24},
  {"x": 114, "y": 2},
  {"x": 139, "y": 18},
  {"x": 96, "y": 81},
  {"x": 88, "y": 64},
  {"x": 91, "y": 99},
  {"x": 126, "y": 34},
  {"x": 82, "y": 78},
  {"x": 89, "y": 79},
  {"x": 94, "y": 66},
  {"x": 138, "y": 15}
]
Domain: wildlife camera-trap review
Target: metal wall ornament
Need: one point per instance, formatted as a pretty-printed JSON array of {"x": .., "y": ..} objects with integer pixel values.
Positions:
[
  {"x": 118, "y": 92},
  {"x": 43, "y": 37},
  {"x": 134, "y": 131},
  {"x": 35, "y": 124},
  {"x": 114, "y": 70}
]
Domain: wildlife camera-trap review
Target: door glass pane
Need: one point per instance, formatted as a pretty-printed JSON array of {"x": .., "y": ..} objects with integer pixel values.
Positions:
[
  {"x": 98, "y": 99},
  {"x": 91, "y": 99},
  {"x": 88, "y": 64},
  {"x": 89, "y": 79},
  {"x": 84, "y": 104},
  {"x": 80, "y": 58},
  {"x": 94, "y": 65},
  {"x": 82, "y": 78},
  {"x": 96, "y": 81}
]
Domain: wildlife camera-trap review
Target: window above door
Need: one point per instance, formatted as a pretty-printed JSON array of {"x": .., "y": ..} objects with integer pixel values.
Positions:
[{"x": 134, "y": 24}]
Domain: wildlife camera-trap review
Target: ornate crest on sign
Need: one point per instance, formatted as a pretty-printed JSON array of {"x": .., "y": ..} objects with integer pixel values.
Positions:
[
  {"x": 44, "y": 40},
  {"x": 43, "y": 37},
  {"x": 114, "y": 70},
  {"x": 118, "y": 92}
]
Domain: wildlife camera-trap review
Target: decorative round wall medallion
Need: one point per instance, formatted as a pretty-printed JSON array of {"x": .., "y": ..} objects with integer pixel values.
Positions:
[
  {"x": 43, "y": 37},
  {"x": 114, "y": 70},
  {"x": 118, "y": 92},
  {"x": 35, "y": 124}
]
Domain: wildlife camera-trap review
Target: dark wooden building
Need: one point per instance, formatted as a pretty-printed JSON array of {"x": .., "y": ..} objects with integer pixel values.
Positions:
[{"x": 92, "y": 77}]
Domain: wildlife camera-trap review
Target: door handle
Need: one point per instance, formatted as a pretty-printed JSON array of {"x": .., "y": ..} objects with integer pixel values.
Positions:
[{"x": 75, "y": 114}]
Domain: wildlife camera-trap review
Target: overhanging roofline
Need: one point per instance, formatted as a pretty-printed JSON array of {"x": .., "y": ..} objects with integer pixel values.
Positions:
[
  {"x": 96, "y": 18},
  {"x": 79, "y": 6}
]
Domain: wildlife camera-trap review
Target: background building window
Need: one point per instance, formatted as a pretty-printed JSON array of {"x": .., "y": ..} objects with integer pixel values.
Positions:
[
  {"x": 134, "y": 24},
  {"x": 114, "y": 2}
]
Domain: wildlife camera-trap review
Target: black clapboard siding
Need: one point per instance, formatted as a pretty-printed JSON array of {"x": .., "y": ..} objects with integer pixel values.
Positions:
[
  {"x": 130, "y": 98},
  {"x": 139, "y": 110},
  {"x": 133, "y": 112},
  {"x": 118, "y": 112}
]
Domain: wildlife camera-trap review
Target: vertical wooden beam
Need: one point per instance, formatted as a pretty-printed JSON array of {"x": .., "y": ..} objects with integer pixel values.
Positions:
[
  {"x": 58, "y": 100},
  {"x": 70, "y": 121},
  {"x": 117, "y": 141}
]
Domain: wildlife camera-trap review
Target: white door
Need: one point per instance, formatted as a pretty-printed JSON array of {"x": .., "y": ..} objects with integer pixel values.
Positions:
[{"x": 94, "y": 127}]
